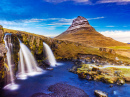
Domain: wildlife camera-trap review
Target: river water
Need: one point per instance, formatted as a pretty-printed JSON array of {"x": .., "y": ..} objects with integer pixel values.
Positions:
[{"x": 60, "y": 74}]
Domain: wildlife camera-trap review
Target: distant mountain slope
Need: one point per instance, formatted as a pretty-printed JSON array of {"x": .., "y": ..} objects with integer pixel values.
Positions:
[{"x": 81, "y": 31}]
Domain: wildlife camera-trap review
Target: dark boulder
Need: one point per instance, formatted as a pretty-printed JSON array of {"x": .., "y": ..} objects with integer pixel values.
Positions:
[{"x": 62, "y": 90}]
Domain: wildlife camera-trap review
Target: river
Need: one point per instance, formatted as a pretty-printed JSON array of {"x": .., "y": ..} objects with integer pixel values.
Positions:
[{"x": 60, "y": 74}]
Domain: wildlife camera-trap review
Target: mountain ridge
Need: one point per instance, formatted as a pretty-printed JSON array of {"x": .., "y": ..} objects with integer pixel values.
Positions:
[{"x": 81, "y": 31}]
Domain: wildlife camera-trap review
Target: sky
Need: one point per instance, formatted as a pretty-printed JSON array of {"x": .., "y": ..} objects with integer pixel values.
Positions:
[{"x": 52, "y": 17}]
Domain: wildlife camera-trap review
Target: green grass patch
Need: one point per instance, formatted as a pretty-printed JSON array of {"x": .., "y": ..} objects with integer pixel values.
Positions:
[{"x": 120, "y": 47}]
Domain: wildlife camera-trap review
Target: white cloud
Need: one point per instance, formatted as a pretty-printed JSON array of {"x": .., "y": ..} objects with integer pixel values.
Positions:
[
  {"x": 122, "y": 36},
  {"x": 114, "y": 1},
  {"x": 52, "y": 35},
  {"x": 59, "y": 24},
  {"x": 52, "y": 21},
  {"x": 4, "y": 22},
  {"x": 40, "y": 24},
  {"x": 31, "y": 20},
  {"x": 96, "y": 18},
  {"x": 59, "y": 1},
  {"x": 91, "y": 1},
  {"x": 64, "y": 21}
]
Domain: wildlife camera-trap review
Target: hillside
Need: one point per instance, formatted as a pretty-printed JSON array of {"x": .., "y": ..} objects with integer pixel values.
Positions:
[
  {"x": 81, "y": 31},
  {"x": 63, "y": 49}
]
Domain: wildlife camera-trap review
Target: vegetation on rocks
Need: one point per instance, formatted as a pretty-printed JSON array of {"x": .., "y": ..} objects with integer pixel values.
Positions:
[{"x": 107, "y": 75}]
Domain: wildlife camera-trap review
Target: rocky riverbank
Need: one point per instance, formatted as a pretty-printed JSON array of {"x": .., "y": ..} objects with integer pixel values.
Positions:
[
  {"x": 62, "y": 90},
  {"x": 105, "y": 73}
]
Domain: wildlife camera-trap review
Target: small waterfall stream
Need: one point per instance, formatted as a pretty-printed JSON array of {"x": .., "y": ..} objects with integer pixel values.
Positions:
[
  {"x": 49, "y": 55},
  {"x": 8, "y": 45}
]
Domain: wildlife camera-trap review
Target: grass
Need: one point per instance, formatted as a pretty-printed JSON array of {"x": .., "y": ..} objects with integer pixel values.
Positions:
[
  {"x": 109, "y": 74},
  {"x": 120, "y": 47},
  {"x": 67, "y": 49},
  {"x": 90, "y": 37},
  {"x": 123, "y": 70}
]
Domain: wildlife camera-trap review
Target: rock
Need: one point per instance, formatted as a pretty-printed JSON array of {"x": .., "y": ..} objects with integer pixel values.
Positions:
[
  {"x": 109, "y": 79},
  {"x": 1, "y": 33},
  {"x": 62, "y": 90},
  {"x": 107, "y": 50},
  {"x": 74, "y": 69},
  {"x": 120, "y": 82},
  {"x": 81, "y": 75},
  {"x": 111, "y": 86},
  {"x": 99, "y": 93},
  {"x": 95, "y": 68},
  {"x": 78, "y": 23},
  {"x": 127, "y": 79},
  {"x": 88, "y": 77}
]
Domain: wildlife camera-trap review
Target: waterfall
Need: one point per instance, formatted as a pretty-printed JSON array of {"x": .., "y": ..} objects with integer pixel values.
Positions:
[
  {"x": 28, "y": 64},
  {"x": 8, "y": 45},
  {"x": 49, "y": 55},
  {"x": 21, "y": 67}
]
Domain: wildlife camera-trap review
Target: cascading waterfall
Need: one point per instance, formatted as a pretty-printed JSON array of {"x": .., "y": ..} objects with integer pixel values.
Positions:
[
  {"x": 28, "y": 64},
  {"x": 21, "y": 74},
  {"x": 49, "y": 55},
  {"x": 8, "y": 45}
]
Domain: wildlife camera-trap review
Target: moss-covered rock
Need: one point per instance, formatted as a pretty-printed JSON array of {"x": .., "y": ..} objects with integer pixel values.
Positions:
[
  {"x": 1, "y": 33},
  {"x": 120, "y": 81}
]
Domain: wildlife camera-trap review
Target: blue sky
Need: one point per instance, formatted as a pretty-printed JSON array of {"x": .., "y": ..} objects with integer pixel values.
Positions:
[{"x": 52, "y": 17}]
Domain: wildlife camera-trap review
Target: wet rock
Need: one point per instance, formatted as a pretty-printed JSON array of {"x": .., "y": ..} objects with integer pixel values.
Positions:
[
  {"x": 120, "y": 82},
  {"x": 62, "y": 90},
  {"x": 99, "y": 93},
  {"x": 88, "y": 77},
  {"x": 74, "y": 69},
  {"x": 109, "y": 79},
  {"x": 81, "y": 75},
  {"x": 111, "y": 86}
]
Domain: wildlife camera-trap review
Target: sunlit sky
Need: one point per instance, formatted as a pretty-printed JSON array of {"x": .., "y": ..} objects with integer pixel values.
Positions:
[{"x": 52, "y": 17}]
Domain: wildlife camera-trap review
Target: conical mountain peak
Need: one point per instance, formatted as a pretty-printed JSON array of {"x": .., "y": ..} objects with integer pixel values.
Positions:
[{"x": 79, "y": 22}]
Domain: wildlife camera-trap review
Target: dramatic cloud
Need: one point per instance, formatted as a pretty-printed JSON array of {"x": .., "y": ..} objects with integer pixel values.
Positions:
[{"x": 122, "y": 36}]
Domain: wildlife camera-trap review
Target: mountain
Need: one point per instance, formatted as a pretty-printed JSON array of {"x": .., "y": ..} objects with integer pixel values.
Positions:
[
  {"x": 62, "y": 49},
  {"x": 81, "y": 31}
]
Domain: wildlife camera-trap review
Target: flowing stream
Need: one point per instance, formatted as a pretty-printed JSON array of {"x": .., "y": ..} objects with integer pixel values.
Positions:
[{"x": 60, "y": 74}]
